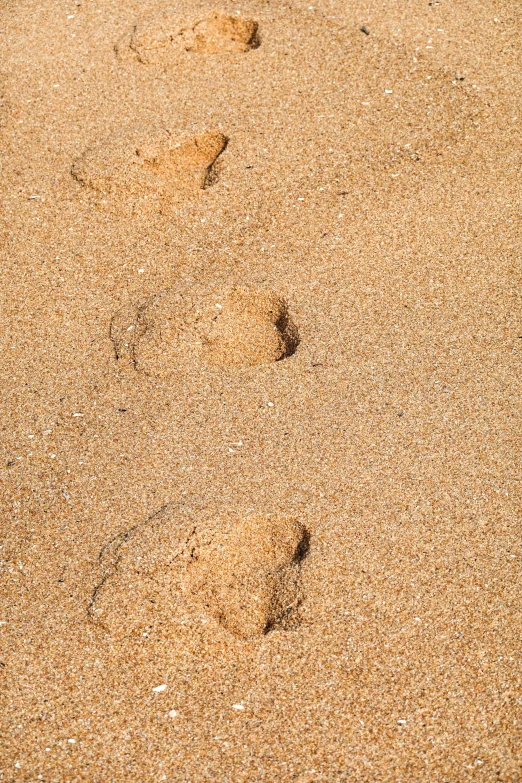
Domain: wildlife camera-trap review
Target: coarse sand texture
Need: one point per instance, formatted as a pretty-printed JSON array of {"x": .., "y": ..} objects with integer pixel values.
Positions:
[
  {"x": 260, "y": 391},
  {"x": 245, "y": 572}
]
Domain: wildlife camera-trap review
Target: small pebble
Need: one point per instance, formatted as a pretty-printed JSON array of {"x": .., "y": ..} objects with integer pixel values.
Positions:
[{"x": 160, "y": 688}]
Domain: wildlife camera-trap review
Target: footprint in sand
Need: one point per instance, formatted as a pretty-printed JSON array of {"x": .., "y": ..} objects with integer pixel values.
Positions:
[
  {"x": 231, "y": 327},
  {"x": 243, "y": 572},
  {"x": 161, "y": 37},
  {"x": 151, "y": 165}
]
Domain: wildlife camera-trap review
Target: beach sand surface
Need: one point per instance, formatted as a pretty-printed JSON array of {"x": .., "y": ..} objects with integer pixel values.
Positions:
[{"x": 260, "y": 373}]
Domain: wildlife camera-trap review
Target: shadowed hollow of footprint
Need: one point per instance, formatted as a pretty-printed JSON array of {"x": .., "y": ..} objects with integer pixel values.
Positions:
[
  {"x": 162, "y": 574},
  {"x": 234, "y": 327},
  {"x": 151, "y": 164},
  {"x": 246, "y": 573},
  {"x": 161, "y": 36}
]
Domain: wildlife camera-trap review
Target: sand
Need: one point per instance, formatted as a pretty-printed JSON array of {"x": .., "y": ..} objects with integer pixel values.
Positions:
[{"x": 260, "y": 400}]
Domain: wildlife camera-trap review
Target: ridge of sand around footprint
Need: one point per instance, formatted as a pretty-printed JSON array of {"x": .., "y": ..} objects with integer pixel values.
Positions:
[
  {"x": 161, "y": 37},
  {"x": 214, "y": 326},
  {"x": 153, "y": 164},
  {"x": 242, "y": 570}
]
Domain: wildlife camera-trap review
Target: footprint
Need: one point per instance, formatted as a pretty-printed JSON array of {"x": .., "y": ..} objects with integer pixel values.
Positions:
[
  {"x": 154, "y": 165},
  {"x": 164, "y": 36},
  {"x": 221, "y": 33},
  {"x": 245, "y": 572},
  {"x": 231, "y": 327},
  {"x": 162, "y": 574}
]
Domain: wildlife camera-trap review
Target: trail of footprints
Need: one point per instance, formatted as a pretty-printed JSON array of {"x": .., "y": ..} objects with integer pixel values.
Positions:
[
  {"x": 159, "y": 165},
  {"x": 242, "y": 571}
]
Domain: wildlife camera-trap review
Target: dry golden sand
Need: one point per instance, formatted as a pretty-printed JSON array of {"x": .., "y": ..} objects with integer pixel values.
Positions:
[{"x": 309, "y": 500}]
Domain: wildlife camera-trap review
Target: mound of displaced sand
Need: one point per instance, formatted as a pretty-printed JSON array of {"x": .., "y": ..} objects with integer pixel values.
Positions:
[{"x": 245, "y": 572}]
